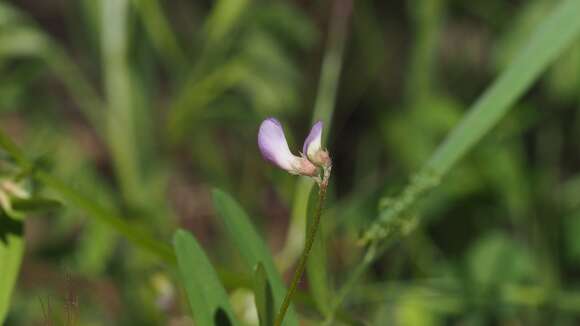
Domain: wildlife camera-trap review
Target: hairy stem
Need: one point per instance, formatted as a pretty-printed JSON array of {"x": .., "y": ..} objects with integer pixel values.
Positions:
[{"x": 307, "y": 247}]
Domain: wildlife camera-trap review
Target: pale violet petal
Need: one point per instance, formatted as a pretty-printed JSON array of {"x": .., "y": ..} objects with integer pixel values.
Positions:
[
  {"x": 273, "y": 145},
  {"x": 313, "y": 142}
]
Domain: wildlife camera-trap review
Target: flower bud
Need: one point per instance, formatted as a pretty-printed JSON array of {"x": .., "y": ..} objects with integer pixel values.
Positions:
[{"x": 313, "y": 149}]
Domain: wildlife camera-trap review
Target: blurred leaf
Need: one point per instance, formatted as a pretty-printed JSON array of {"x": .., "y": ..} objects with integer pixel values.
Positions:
[
  {"x": 564, "y": 79},
  {"x": 495, "y": 259},
  {"x": 223, "y": 18},
  {"x": 572, "y": 238},
  {"x": 272, "y": 77},
  {"x": 121, "y": 133},
  {"x": 521, "y": 27},
  {"x": 195, "y": 95},
  {"x": 11, "y": 250},
  {"x": 251, "y": 246},
  {"x": 284, "y": 21},
  {"x": 35, "y": 204},
  {"x": 263, "y": 296},
  {"x": 207, "y": 297},
  {"x": 316, "y": 266},
  {"x": 8, "y": 14},
  {"x": 164, "y": 39},
  {"x": 413, "y": 310},
  {"x": 102, "y": 214},
  {"x": 21, "y": 41},
  {"x": 93, "y": 209},
  {"x": 553, "y": 36}
]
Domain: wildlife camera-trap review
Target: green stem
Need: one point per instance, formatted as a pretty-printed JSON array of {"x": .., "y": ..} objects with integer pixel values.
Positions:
[{"x": 302, "y": 263}]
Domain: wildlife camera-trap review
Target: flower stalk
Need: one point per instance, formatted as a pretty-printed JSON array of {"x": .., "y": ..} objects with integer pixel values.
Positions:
[{"x": 310, "y": 237}]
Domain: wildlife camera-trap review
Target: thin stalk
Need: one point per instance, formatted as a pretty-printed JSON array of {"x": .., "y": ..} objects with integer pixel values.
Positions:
[{"x": 304, "y": 258}]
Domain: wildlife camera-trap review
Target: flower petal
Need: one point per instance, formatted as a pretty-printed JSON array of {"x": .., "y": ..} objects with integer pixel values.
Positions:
[
  {"x": 313, "y": 142},
  {"x": 273, "y": 145}
]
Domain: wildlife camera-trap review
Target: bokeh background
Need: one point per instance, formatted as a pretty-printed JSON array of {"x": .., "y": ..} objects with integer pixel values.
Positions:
[{"x": 145, "y": 106}]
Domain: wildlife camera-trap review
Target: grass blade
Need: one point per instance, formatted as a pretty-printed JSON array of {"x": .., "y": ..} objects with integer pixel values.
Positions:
[
  {"x": 558, "y": 31},
  {"x": 207, "y": 297},
  {"x": 263, "y": 296},
  {"x": 552, "y": 37},
  {"x": 121, "y": 123},
  {"x": 251, "y": 246},
  {"x": 139, "y": 237},
  {"x": 11, "y": 250},
  {"x": 161, "y": 33}
]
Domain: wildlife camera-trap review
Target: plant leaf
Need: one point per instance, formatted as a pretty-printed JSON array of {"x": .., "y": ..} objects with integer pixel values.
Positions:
[
  {"x": 11, "y": 249},
  {"x": 208, "y": 299},
  {"x": 559, "y": 30},
  {"x": 251, "y": 246},
  {"x": 263, "y": 296},
  {"x": 555, "y": 34}
]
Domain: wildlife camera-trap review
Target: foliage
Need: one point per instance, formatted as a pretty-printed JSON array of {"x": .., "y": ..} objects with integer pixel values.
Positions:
[{"x": 453, "y": 127}]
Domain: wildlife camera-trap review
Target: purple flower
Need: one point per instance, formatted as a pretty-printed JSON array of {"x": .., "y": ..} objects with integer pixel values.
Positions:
[
  {"x": 313, "y": 142},
  {"x": 274, "y": 148},
  {"x": 313, "y": 147}
]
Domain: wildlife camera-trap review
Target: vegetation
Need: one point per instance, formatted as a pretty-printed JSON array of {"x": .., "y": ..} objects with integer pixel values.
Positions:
[{"x": 133, "y": 192}]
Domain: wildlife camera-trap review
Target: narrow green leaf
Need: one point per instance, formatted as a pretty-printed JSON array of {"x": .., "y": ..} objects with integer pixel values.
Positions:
[
  {"x": 316, "y": 267},
  {"x": 11, "y": 249},
  {"x": 162, "y": 35},
  {"x": 136, "y": 235},
  {"x": 224, "y": 17},
  {"x": 208, "y": 299},
  {"x": 263, "y": 296},
  {"x": 121, "y": 111},
  {"x": 557, "y": 32},
  {"x": 251, "y": 246}
]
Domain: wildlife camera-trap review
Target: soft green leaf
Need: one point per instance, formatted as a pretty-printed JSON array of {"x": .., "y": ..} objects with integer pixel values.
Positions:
[
  {"x": 251, "y": 246},
  {"x": 11, "y": 249},
  {"x": 121, "y": 112},
  {"x": 208, "y": 299},
  {"x": 555, "y": 34},
  {"x": 497, "y": 259},
  {"x": 263, "y": 296},
  {"x": 224, "y": 17},
  {"x": 22, "y": 41}
]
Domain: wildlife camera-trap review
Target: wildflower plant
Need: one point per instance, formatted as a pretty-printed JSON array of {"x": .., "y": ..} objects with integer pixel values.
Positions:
[{"x": 314, "y": 162}]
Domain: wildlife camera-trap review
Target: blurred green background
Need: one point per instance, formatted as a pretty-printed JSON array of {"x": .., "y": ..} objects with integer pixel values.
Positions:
[{"x": 145, "y": 106}]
